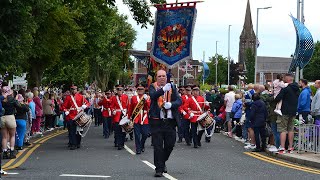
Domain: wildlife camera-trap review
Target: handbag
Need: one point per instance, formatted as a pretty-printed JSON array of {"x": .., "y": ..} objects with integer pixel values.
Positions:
[{"x": 268, "y": 130}]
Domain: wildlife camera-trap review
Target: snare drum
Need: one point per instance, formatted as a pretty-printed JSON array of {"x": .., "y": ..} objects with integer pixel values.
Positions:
[
  {"x": 205, "y": 120},
  {"x": 126, "y": 124},
  {"x": 82, "y": 119}
]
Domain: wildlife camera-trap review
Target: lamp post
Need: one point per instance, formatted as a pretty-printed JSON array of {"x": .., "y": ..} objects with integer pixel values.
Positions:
[
  {"x": 229, "y": 55},
  {"x": 216, "y": 63},
  {"x": 256, "y": 48}
]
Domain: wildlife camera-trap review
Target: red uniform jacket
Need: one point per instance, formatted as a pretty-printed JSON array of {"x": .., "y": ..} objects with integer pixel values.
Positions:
[
  {"x": 116, "y": 108},
  {"x": 181, "y": 109},
  {"x": 106, "y": 103},
  {"x": 68, "y": 105},
  {"x": 146, "y": 108},
  {"x": 191, "y": 107}
]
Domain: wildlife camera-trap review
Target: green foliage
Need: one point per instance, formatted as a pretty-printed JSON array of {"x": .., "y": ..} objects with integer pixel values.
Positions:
[
  {"x": 313, "y": 90},
  {"x": 250, "y": 65},
  {"x": 312, "y": 71},
  {"x": 222, "y": 70},
  {"x": 205, "y": 86}
]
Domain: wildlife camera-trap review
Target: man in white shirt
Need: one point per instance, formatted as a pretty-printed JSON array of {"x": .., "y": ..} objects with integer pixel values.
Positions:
[{"x": 229, "y": 99}]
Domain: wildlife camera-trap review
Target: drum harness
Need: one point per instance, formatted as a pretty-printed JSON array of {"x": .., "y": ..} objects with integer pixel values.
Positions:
[
  {"x": 79, "y": 129},
  {"x": 199, "y": 126}
]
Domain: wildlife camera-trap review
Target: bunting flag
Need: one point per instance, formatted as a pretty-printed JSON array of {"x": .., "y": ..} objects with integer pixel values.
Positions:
[{"x": 172, "y": 34}]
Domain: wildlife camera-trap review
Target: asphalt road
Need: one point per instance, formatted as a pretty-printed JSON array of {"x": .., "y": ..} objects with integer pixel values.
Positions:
[{"x": 223, "y": 158}]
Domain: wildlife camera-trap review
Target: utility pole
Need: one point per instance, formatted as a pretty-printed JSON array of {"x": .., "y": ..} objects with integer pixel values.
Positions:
[
  {"x": 229, "y": 55},
  {"x": 216, "y": 63}
]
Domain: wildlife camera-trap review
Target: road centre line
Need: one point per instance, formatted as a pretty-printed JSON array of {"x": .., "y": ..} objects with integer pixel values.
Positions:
[
  {"x": 166, "y": 175},
  {"x": 281, "y": 163},
  {"x": 79, "y": 175},
  {"x": 27, "y": 155},
  {"x": 129, "y": 150}
]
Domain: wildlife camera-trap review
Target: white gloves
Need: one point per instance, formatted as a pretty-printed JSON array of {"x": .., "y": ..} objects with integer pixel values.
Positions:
[
  {"x": 167, "y": 87},
  {"x": 184, "y": 113},
  {"x": 167, "y": 105},
  {"x": 67, "y": 113},
  {"x": 207, "y": 103},
  {"x": 114, "y": 112},
  {"x": 124, "y": 112},
  {"x": 145, "y": 96},
  {"x": 84, "y": 107},
  {"x": 191, "y": 115}
]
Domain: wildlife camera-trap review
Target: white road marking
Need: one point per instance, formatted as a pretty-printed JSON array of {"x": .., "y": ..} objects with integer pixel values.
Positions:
[
  {"x": 129, "y": 150},
  {"x": 166, "y": 175},
  {"x": 78, "y": 175},
  {"x": 10, "y": 174}
]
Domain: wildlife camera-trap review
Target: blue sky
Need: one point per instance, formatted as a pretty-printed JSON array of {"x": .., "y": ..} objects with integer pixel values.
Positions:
[{"x": 276, "y": 31}]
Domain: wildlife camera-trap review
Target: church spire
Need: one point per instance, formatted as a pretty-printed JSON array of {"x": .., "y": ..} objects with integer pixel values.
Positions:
[
  {"x": 248, "y": 20},
  {"x": 247, "y": 37}
]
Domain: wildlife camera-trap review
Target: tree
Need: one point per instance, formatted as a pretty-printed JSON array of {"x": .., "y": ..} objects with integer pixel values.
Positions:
[
  {"x": 312, "y": 71},
  {"x": 222, "y": 70},
  {"x": 250, "y": 65}
]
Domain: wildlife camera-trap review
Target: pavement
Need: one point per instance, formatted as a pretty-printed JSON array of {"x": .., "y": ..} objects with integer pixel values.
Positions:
[{"x": 222, "y": 158}]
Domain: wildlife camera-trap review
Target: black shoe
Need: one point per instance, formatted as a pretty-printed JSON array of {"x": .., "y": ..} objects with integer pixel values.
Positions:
[
  {"x": 120, "y": 148},
  {"x": 138, "y": 152},
  {"x": 188, "y": 144},
  {"x": 72, "y": 147},
  {"x": 78, "y": 146},
  {"x": 131, "y": 138},
  {"x": 27, "y": 143},
  {"x": 165, "y": 170},
  {"x": 195, "y": 146},
  {"x": 208, "y": 140},
  {"x": 12, "y": 154},
  {"x": 199, "y": 144},
  {"x": 19, "y": 148},
  {"x": 180, "y": 140},
  {"x": 142, "y": 149},
  {"x": 5, "y": 155},
  {"x": 158, "y": 174},
  {"x": 256, "y": 150},
  {"x": 126, "y": 139}
]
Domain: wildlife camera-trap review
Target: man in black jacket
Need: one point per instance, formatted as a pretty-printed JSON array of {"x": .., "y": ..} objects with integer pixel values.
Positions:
[
  {"x": 164, "y": 116},
  {"x": 289, "y": 96}
]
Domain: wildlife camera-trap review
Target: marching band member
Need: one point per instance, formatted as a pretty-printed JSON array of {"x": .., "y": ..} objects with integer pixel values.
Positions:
[
  {"x": 194, "y": 107},
  {"x": 163, "y": 118},
  {"x": 97, "y": 109},
  {"x": 73, "y": 104},
  {"x": 105, "y": 103},
  {"x": 181, "y": 126},
  {"x": 141, "y": 124},
  {"x": 185, "y": 116},
  {"x": 119, "y": 107}
]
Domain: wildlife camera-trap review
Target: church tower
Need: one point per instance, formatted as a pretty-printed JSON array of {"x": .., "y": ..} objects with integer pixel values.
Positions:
[{"x": 247, "y": 37}]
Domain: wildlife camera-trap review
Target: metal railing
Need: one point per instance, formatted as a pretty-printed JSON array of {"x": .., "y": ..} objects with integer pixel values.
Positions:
[{"x": 309, "y": 138}]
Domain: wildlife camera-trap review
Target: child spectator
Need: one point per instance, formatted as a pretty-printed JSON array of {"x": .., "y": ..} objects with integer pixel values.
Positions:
[{"x": 278, "y": 84}]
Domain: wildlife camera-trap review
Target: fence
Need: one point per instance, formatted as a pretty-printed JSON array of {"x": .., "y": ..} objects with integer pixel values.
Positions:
[{"x": 309, "y": 138}]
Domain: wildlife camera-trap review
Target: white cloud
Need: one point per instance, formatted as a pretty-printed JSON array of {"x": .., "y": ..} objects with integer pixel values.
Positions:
[{"x": 276, "y": 31}]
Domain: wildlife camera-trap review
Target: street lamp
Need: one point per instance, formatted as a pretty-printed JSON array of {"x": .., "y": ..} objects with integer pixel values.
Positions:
[
  {"x": 229, "y": 55},
  {"x": 256, "y": 48},
  {"x": 217, "y": 63}
]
